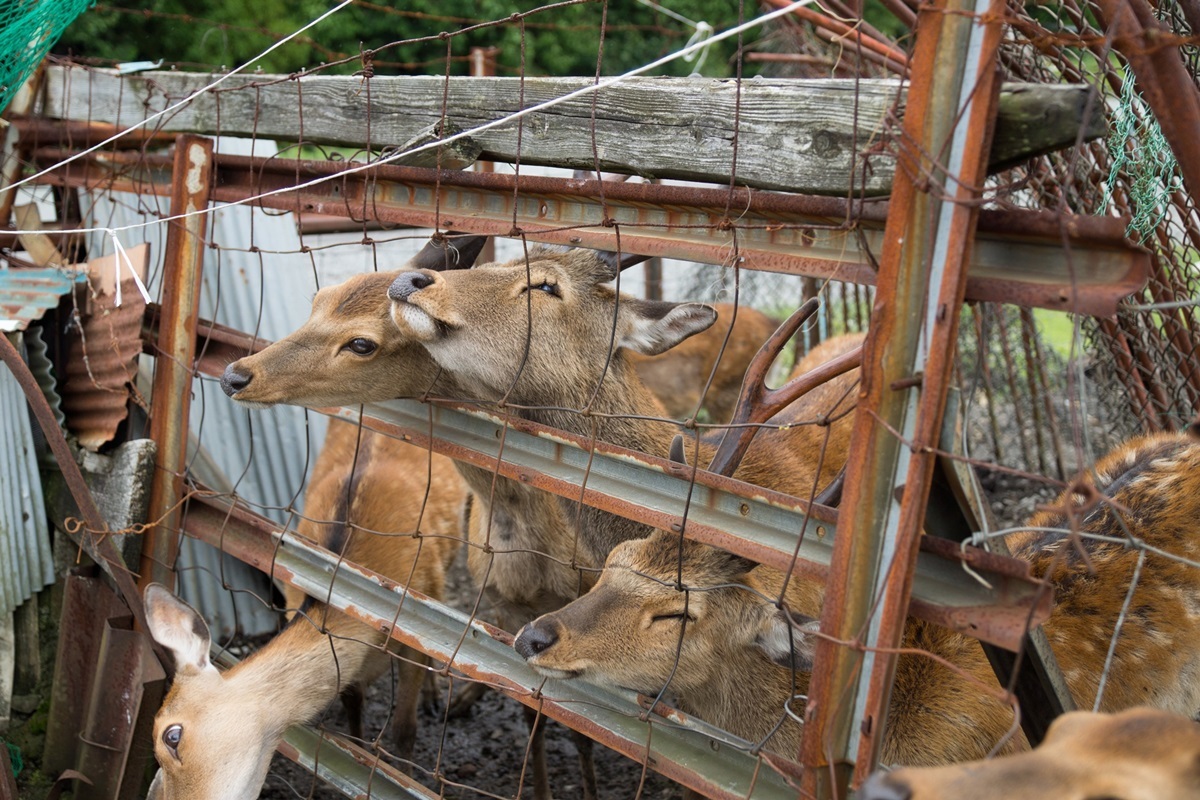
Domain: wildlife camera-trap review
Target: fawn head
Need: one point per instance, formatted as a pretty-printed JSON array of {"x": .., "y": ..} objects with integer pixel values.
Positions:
[
  {"x": 348, "y": 351},
  {"x": 666, "y": 610}
]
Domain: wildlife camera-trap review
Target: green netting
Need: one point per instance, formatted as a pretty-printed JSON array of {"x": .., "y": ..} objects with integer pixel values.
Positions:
[{"x": 28, "y": 28}]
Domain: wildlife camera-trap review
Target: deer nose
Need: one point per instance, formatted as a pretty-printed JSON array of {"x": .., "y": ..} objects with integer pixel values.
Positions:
[
  {"x": 878, "y": 787},
  {"x": 408, "y": 283},
  {"x": 536, "y": 637},
  {"x": 233, "y": 381}
]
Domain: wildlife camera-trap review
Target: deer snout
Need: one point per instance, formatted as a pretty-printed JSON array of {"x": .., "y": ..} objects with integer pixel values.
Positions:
[
  {"x": 233, "y": 381},
  {"x": 407, "y": 283},
  {"x": 879, "y": 787},
  {"x": 536, "y": 637}
]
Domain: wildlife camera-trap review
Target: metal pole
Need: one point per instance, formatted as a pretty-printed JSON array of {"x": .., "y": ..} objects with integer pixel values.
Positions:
[
  {"x": 176, "y": 350},
  {"x": 907, "y": 367}
]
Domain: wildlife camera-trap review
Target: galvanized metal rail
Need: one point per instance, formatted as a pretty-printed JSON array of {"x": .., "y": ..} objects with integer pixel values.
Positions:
[{"x": 684, "y": 749}]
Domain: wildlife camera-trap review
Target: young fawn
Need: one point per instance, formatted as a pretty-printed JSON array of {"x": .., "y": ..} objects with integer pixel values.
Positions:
[
  {"x": 731, "y": 653},
  {"x": 1137, "y": 754},
  {"x": 216, "y": 732}
]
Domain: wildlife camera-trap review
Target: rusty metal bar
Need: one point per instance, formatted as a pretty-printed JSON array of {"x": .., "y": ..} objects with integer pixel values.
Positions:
[
  {"x": 735, "y": 516},
  {"x": 684, "y": 749},
  {"x": 923, "y": 275},
  {"x": 1018, "y": 257},
  {"x": 192, "y": 172}
]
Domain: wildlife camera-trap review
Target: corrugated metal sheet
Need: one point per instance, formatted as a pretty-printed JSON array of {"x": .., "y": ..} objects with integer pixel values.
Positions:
[
  {"x": 26, "y": 294},
  {"x": 25, "y": 560},
  {"x": 100, "y": 364}
]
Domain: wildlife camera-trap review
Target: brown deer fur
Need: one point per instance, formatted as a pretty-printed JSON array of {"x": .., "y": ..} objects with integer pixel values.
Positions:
[
  {"x": 365, "y": 501},
  {"x": 1137, "y": 754},
  {"x": 541, "y": 335},
  {"x": 626, "y": 630}
]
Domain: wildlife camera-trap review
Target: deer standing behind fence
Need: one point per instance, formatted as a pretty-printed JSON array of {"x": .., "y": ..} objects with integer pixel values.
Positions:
[
  {"x": 1137, "y": 754},
  {"x": 725, "y": 624},
  {"x": 216, "y": 732},
  {"x": 549, "y": 337},
  {"x": 349, "y": 351}
]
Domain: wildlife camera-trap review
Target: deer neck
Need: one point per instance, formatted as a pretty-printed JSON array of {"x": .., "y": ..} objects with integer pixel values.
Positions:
[
  {"x": 299, "y": 672},
  {"x": 746, "y": 696}
]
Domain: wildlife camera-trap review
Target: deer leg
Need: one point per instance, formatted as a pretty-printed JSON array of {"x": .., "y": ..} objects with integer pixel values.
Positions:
[
  {"x": 537, "y": 753},
  {"x": 587, "y": 765},
  {"x": 410, "y": 678},
  {"x": 463, "y": 700}
]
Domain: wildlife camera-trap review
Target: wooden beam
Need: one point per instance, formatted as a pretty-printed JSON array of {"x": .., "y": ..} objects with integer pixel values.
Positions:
[{"x": 792, "y": 135}]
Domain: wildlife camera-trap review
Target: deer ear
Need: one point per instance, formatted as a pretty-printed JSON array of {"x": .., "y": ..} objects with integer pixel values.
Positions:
[
  {"x": 652, "y": 326},
  {"x": 452, "y": 251},
  {"x": 177, "y": 627},
  {"x": 787, "y": 639}
]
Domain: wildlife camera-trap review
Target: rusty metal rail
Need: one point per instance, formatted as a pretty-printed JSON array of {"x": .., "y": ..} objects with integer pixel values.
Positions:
[{"x": 1018, "y": 256}]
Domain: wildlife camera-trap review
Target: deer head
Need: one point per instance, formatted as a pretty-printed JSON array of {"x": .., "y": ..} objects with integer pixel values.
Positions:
[
  {"x": 541, "y": 327},
  {"x": 1138, "y": 754},
  {"x": 699, "y": 621},
  {"x": 348, "y": 351},
  {"x": 197, "y": 758}
]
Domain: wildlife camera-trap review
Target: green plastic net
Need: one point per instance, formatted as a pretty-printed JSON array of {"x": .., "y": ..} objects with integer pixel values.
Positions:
[{"x": 28, "y": 28}]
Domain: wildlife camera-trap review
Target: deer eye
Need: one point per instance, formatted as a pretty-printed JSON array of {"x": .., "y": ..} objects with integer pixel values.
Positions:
[
  {"x": 363, "y": 347},
  {"x": 545, "y": 286},
  {"x": 171, "y": 737},
  {"x": 680, "y": 616}
]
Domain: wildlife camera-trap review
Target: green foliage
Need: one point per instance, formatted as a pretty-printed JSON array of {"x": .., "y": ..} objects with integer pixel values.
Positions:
[{"x": 559, "y": 41}]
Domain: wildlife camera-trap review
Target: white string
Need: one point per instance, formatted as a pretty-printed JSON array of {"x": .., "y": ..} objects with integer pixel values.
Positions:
[
  {"x": 119, "y": 255},
  {"x": 181, "y": 103},
  {"x": 586, "y": 90}
]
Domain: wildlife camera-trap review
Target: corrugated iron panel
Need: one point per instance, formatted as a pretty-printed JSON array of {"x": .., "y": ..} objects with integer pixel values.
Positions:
[
  {"x": 100, "y": 364},
  {"x": 25, "y": 561},
  {"x": 26, "y": 294}
]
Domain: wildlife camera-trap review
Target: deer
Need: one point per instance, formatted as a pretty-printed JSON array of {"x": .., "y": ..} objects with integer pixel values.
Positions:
[
  {"x": 216, "y": 732},
  {"x": 550, "y": 338},
  {"x": 1136, "y": 754},
  {"x": 674, "y": 615}
]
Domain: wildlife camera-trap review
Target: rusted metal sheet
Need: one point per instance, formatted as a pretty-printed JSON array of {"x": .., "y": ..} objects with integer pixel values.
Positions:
[
  {"x": 913, "y": 330},
  {"x": 87, "y": 604},
  {"x": 1020, "y": 256},
  {"x": 102, "y": 352},
  {"x": 348, "y": 768},
  {"x": 26, "y": 294},
  {"x": 684, "y": 749},
  {"x": 192, "y": 178},
  {"x": 114, "y": 733}
]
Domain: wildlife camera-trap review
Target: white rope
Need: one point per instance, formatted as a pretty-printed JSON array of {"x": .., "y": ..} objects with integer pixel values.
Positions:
[
  {"x": 119, "y": 256},
  {"x": 181, "y": 103},
  {"x": 581, "y": 92}
]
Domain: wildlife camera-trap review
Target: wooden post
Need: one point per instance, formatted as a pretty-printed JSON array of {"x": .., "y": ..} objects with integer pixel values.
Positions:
[
  {"x": 483, "y": 65},
  {"x": 176, "y": 350}
]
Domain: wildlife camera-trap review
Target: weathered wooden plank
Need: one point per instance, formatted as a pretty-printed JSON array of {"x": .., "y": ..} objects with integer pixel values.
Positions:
[{"x": 792, "y": 135}]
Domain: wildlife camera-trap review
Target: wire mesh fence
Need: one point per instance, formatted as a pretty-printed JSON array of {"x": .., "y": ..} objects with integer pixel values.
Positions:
[{"x": 493, "y": 537}]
